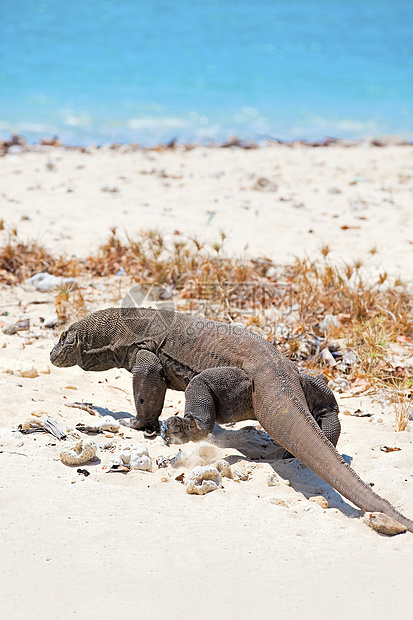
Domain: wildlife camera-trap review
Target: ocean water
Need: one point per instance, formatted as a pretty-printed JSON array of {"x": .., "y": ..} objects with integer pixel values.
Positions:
[{"x": 151, "y": 70}]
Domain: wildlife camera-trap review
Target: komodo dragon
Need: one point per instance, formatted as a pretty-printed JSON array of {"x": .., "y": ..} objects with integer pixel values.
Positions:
[{"x": 229, "y": 374}]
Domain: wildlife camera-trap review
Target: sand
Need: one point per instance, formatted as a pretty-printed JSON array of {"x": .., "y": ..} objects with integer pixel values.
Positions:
[{"x": 136, "y": 544}]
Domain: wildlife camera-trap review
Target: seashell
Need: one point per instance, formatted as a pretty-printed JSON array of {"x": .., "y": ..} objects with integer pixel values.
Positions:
[
  {"x": 79, "y": 452},
  {"x": 202, "y": 480}
]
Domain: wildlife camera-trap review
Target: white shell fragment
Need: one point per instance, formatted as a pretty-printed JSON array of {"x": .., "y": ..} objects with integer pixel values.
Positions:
[
  {"x": 108, "y": 423},
  {"x": 139, "y": 460},
  {"x": 46, "y": 282},
  {"x": 179, "y": 460},
  {"x": 136, "y": 458},
  {"x": 202, "y": 480},
  {"x": 80, "y": 452},
  {"x": 383, "y": 524}
]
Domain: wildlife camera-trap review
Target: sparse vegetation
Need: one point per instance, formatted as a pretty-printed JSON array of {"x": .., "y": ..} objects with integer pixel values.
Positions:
[
  {"x": 402, "y": 404},
  {"x": 288, "y": 304}
]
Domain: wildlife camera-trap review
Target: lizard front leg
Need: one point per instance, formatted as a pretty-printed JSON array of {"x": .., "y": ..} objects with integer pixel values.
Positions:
[{"x": 149, "y": 388}]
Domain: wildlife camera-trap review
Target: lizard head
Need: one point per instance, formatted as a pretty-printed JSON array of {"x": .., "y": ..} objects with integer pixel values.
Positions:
[
  {"x": 67, "y": 351},
  {"x": 87, "y": 342}
]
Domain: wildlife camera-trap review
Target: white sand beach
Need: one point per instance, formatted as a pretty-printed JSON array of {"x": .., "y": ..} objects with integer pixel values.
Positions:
[{"x": 136, "y": 544}]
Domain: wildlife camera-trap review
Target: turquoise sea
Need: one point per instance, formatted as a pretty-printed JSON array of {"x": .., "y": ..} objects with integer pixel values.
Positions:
[{"x": 149, "y": 71}]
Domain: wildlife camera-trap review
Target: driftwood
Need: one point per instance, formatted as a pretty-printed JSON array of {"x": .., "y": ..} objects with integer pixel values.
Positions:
[{"x": 85, "y": 406}]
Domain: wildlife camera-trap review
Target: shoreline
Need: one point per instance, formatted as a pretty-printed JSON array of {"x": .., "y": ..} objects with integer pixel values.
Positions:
[{"x": 22, "y": 144}]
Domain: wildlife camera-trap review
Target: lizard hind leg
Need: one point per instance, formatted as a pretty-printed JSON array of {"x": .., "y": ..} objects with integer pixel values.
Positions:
[{"x": 221, "y": 394}]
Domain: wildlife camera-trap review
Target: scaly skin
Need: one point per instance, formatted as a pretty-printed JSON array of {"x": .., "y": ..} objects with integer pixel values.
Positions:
[{"x": 229, "y": 374}]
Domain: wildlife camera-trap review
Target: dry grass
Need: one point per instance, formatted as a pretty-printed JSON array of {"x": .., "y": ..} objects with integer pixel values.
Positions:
[
  {"x": 402, "y": 403},
  {"x": 19, "y": 261},
  {"x": 286, "y": 304}
]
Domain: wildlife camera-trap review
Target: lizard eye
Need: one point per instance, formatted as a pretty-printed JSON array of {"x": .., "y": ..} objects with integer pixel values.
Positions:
[{"x": 63, "y": 335}]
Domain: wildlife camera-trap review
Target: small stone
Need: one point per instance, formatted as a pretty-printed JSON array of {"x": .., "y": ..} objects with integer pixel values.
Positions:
[
  {"x": 320, "y": 500},
  {"x": 383, "y": 524},
  {"x": 279, "y": 502},
  {"x": 10, "y": 330},
  {"x": 43, "y": 369},
  {"x": 51, "y": 321},
  {"x": 265, "y": 185},
  {"x": 29, "y": 373}
]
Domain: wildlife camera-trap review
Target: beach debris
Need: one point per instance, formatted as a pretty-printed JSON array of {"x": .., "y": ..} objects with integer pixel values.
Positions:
[
  {"x": 107, "y": 445},
  {"x": 383, "y": 524},
  {"x": 105, "y": 424},
  {"x": 339, "y": 384},
  {"x": 162, "y": 461},
  {"x": 263, "y": 184},
  {"x": 16, "y": 144},
  {"x": 83, "y": 472},
  {"x": 179, "y": 460},
  {"x": 18, "y": 368},
  {"x": 135, "y": 458},
  {"x": 13, "y": 328},
  {"x": 115, "y": 467},
  {"x": 202, "y": 479},
  {"x": 358, "y": 413},
  {"x": 328, "y": 323},
  {"x": 274, "y": 480},
  {"x": 328, "y": 358},
  {"x": 79, "y": 452},
  {"x": 320, "y": 500},
  {"x": 242, "y": 144},
  {"x": 279, "y": 502},
  {"x": 140, "y": 459},
  {"x": 51, "y": 321},
  {"x": 44, "y": 282},
  {"x": 224, "y": 468},
  {"x": 84, "y": 406},
  {"x": 388, "y": 449}
]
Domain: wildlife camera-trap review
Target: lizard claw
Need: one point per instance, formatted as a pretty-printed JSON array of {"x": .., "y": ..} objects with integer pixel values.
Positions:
[{"x": 164, "y": 433}]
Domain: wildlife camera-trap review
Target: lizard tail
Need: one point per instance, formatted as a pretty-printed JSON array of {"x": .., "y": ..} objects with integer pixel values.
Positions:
[{"x": 286, "y": 418}]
